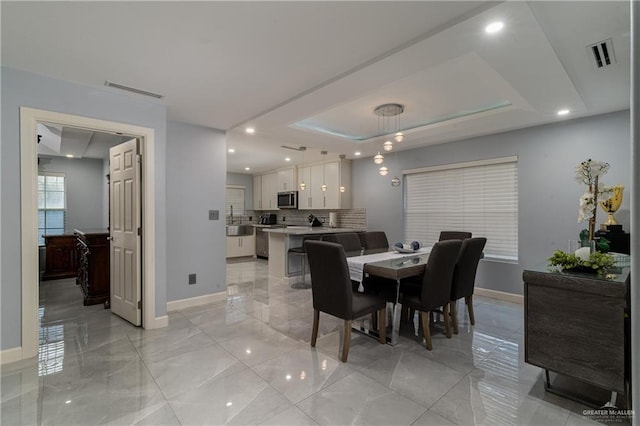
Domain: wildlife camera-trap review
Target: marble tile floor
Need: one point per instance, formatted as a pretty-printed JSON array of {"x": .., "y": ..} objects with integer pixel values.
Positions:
[{"x": 247, "y": 361}]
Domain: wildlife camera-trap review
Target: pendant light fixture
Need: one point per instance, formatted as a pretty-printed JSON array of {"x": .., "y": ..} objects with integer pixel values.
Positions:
[
  {"x": 378, "y": 159},
  {"x": 383, "y": 171},
  {"x": 385, "y": 113},
  {"x": 302, "y": 184},
  {"x": 341, "y": 157},
  {"x": 324, "y": 185}
]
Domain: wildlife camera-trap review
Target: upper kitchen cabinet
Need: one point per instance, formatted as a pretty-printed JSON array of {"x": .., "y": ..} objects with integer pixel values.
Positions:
[
  {"x": 265, "y": 194},
  {"x": 286, "y": 180},
  {"x": 334, "y": 174}
]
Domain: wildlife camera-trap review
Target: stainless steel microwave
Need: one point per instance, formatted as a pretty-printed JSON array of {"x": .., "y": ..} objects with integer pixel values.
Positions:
[{"x": 288, "y": 200}]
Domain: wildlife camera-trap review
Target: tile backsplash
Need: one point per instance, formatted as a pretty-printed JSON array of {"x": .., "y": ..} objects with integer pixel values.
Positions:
[{"x": 346, "y": 218}]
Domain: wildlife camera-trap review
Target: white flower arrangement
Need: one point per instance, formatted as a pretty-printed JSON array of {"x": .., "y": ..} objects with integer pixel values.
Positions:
[{"x": 588, "y": 172}]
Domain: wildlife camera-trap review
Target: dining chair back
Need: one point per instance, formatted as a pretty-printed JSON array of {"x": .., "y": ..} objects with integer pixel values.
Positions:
[
  {"x": 454, "y": 235},
  {"x": 374, "y": 240},
  {"x": 435, "y": 291},
  {"x": 464, "y": 277},
  {"x": 332, "y": 293},
  {"x": 348, "y": 240}
]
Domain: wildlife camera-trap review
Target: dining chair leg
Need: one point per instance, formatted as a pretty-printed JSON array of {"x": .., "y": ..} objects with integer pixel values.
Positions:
[
  {"x": 469, "y": 302},
  {"x": 382, "y": 313},
  {"x": 424, "y": 317},
  {"x": 454, "y": 315},
  {"x": 374, "y": 321},
  {"x": 346, "y": 340},
  {"x": 447, "y": 320},
  {"x": 314, "y": 333}
]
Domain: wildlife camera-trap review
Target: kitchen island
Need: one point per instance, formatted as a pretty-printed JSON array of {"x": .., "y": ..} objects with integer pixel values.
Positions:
[{"x": 282, "y": 239}]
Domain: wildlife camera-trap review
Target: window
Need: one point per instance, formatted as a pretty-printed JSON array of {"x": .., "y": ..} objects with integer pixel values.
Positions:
[
  {"x": 235, "y": 198},
  {"x": 52, "y": 216},
  {"x": 479, "y": 197}
]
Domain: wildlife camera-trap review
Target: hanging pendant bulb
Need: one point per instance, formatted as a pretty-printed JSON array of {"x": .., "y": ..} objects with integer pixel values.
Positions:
[
  {"x": 341, "y": 157},
  {"x": 399, "y": 137},
  {"x": 388, "y": 146},
  {"x": 324, "y": 185},
  {"x": 395, "y": 181},
  {"x": 383, "y": 171},
  {"x": 378, "y": 159},
  {"x": 303, "y": 186}
]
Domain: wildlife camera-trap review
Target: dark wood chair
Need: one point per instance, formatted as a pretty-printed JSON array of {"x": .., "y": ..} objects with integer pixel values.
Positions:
[
  {"x": 464, "y": 277},
  {"x": 332, "y": 292},
  {"x": 454, "y": 235},
  {"x": 373, "y": 241},
  {"x": 435, "y": 291}
]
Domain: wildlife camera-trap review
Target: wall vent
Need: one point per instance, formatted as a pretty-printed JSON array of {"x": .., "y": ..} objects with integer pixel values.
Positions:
[
  {"x": 601, "y": 53},
  {"x": 133, "y": 89}
]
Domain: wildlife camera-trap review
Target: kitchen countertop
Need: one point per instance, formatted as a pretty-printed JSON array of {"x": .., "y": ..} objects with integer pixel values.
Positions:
[{"x": 305, "y": 230}]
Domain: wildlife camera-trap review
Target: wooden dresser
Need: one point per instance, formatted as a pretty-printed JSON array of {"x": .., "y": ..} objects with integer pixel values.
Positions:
[
  {"x": 93, "y": 265},
  {"x": 574, "y": 324},
  {"x": 60, "y": 257}
]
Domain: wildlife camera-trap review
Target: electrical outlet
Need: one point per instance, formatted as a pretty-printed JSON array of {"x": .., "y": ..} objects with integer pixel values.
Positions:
[
  {"x": 214, "y": 214},
  {"x": 192, "y": 279}
]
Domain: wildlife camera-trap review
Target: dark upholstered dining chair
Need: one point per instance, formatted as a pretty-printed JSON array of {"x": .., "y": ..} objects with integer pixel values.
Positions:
[
  {"x": 454, "y": 235},
  {"x": 435, "y": 291},
  {"x": 374, "y": 240},
  {"x": 348, "y": 240},
  {"x": 332, "y": 293},
  {"x": 464, "y": 277}
]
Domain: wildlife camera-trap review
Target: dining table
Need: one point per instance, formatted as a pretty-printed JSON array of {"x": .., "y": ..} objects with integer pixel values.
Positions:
[{"x": 394, "y": 266}]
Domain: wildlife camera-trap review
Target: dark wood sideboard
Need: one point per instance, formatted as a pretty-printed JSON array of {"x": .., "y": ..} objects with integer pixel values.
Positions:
[
  {"x": 575, "y": 325},
  {"x": 93, "y": 265},
  {"x": 61, "y": 258}
]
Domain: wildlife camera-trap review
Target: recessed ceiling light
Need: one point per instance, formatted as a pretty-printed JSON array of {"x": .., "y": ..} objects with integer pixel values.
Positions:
[
  {"x": 494, "y": 27},
  {"x": 287, "y": 159},
  {"x": 563, "y": 112},
  {"x": 250, "y": 130},
  {"x": 247, "y": 168},
  {"x": 231, "y": 150},
  {"x": 357, "y": 153},
  {"x": 69, "y": 155}
]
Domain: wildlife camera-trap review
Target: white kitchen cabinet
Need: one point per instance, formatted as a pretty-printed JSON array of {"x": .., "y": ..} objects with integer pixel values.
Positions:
[
  {"x": 286, "y": 180},
  {"x": 334, "y": 174},
  {"x": 269, "y": 193},
  {"x": 257, "y": 192},
  {"x": 241, "y": 246}
]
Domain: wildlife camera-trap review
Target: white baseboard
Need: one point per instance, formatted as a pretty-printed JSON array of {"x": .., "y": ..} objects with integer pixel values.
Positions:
[
  {"x": 159, "y": 322},
  {"x": 175, "y": 305},
  {"x": 500, "y": 295},
  {"x": 10, "y": 355}
]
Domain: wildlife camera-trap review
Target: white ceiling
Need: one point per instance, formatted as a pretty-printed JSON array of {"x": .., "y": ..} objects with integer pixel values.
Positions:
[{"x": 282, "y": 66}]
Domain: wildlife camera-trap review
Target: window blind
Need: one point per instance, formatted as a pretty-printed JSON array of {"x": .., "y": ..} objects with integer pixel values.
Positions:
[
  {"x": 52, "y": 215},
  {"x": 478, "y": 197},
  {"x": 235, "y": 198}
]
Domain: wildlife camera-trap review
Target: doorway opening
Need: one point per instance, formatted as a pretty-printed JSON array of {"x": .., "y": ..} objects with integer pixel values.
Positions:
[{"x": 29, "y": 118}]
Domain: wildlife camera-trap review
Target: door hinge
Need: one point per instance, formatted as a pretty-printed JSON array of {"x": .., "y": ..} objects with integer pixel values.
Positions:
[
  {"x": 139, "y": 304},
  {"x": 139, "y": 231},
  {"x": 139, "y": 158}
]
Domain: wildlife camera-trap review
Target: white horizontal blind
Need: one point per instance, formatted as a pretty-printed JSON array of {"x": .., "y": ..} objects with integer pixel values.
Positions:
[
  {"x": 52, "y": 214},
  {"x": 235, "y": 198},
  {"x": 481, "y": 199}
]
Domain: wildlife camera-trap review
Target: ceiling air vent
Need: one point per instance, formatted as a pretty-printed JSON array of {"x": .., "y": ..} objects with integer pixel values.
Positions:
[{"x": 602, "y": 53}]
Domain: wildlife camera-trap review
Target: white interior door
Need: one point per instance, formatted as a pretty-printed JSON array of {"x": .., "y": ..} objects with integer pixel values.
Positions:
[{"x": 124, "y": 225}]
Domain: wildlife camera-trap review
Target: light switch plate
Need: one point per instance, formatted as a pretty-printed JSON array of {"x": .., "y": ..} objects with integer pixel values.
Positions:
[{"x": 214, "y": 214}]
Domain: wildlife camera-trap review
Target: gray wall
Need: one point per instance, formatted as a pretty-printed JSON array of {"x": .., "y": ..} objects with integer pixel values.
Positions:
[
  {"x": 196, "y": 183},
  {"x": 26, "y": 89},
  {"x": 245, "y": 180},
  {"x": 548, "y": 192},
  {"x": 84, "y": 180}
]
